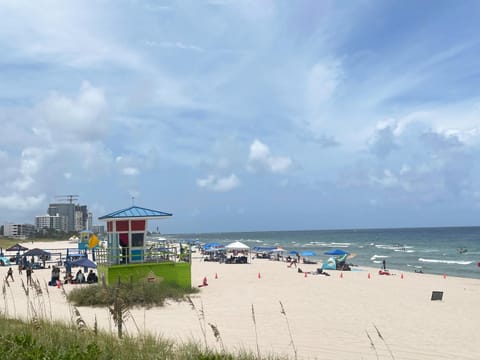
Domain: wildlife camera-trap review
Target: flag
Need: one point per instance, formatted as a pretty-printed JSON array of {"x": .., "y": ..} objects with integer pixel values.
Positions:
[{"x": 93, "y": 241}]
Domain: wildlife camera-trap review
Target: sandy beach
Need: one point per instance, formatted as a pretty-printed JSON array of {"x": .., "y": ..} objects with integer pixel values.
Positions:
[{"x": 326, "y": 316}]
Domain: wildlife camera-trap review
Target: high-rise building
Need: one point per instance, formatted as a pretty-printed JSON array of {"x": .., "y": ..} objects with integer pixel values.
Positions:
[
  {"x": 65, "y": 215},
  {"x": 81, "y": 218},
  {"x": 67, "y": 210}
]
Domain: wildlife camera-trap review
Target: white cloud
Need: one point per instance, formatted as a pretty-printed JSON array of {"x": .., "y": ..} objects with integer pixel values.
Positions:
[
  {"x": 32, "y": 161},
  {"x": 176, "y": 45},
  {"x": 81, "y": 118},
  {"x": 219, "y": 184},
  {"x": 130, "y": 171},
  {"x": 383, "y": 141},
  {"x": 72, "y": 34},
  {"x": 16, "y": 201},
  {"x": 260, "y": 159},
  {"x": 322, "y": 82}
]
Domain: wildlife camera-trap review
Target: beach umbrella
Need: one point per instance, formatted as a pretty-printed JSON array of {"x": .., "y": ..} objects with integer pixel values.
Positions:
[
  {"x": 307, "y": 253},
  {"x": 277, "y": 250},
  {"x": 17, "y": 247},
  {"x": 211, "y": 245},
  {"x": 293, "y": 252},
  {"x": 264, "y": 248},
  {"x": 83, "y": 262},
  {"x": 336, "y": 252}
]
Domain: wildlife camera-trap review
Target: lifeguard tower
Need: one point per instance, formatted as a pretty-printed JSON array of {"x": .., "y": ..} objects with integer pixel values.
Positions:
[
  {"x": 127, "y": 255},
  {"x": 83, "y": 240}
]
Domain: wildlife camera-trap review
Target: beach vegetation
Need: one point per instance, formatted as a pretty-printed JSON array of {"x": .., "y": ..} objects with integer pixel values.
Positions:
[
  {"x": 54, "y": 340},
  {"x": 142, "y": 294}
]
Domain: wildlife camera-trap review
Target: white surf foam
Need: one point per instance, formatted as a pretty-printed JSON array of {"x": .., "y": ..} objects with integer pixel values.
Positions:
[{"x": 445, "y": 261}]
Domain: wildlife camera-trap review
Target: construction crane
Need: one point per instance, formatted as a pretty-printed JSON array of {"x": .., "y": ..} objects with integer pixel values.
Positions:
[{"x": 67, "y": 198}]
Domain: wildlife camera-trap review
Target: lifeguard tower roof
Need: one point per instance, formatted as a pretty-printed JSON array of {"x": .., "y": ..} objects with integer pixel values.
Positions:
[{"x": 135, "y": 212}]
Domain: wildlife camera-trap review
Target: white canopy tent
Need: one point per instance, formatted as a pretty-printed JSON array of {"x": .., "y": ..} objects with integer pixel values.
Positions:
[{"x": 237, "y": 245}]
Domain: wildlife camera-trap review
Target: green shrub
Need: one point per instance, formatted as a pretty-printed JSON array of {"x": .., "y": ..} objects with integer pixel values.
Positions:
[{"x": 141, "y": 294}]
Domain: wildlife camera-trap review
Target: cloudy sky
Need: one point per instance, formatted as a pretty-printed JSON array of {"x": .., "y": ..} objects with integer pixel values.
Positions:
[{"x": 243, "y": 115}]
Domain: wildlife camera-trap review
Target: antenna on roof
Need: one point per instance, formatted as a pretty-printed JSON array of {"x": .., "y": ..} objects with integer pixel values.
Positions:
[
  {"x": 67, "y": 198},
  {"x": 133, "y": 200}
]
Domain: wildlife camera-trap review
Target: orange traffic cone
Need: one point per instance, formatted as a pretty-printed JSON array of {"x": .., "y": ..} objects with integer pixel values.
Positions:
[
  {"x": 305, "y": 274},
  {"x": 259, "y": 276},
  {"x": 369, "y": 275},
  {"x": 401, "y": 276},
  {"x": 216, "y": 276},
  {"x": 341, "y": 275},
  {"x": 444, "y": 275}
]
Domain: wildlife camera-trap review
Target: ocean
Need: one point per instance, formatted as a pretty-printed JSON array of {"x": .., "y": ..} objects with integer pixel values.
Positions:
[{"x": 454, "y": 251}]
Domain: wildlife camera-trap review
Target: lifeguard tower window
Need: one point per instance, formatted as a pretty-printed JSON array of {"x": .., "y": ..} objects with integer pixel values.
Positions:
[{"x": 137, "y": 240}]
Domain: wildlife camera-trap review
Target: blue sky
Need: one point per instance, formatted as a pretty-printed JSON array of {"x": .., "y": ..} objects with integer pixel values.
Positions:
[{"x": 243, "y": 115}]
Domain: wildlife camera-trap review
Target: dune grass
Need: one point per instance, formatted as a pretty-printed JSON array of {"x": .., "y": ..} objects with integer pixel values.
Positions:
[
  {"x": 136, "y": 294},
  {"x": 46, "y": 340}
]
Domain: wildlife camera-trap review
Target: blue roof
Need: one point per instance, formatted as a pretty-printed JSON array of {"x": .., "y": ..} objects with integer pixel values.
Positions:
[{"x": 134, "y": 212}]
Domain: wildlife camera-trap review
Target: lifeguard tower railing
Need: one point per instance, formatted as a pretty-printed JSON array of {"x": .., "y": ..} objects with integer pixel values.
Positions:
[{"x": 147, "y": 254}]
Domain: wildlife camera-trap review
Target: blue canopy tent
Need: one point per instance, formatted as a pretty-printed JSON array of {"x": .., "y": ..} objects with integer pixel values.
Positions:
[
  {"x": 308, "y": 253},
  {"x": 339, "y": 262},
  {"x": 84, "y": 262},
  {"x": 264, "y": 248},
  {"x": 212, "y": 245}
]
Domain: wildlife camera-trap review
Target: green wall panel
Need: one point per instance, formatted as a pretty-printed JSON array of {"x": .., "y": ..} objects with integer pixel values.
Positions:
[{"x": 178, "y": 273}]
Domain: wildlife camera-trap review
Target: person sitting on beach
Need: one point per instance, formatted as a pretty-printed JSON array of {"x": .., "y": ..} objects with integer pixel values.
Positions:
[
  {"x": 92, "y": 277},
  {"x": 79, "y": 277},
  {"x": 68, "y": 278}
]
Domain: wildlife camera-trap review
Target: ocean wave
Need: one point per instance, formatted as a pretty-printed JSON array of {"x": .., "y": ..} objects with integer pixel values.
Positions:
[
  {"x": 378, "y": 257},
  {"x": 445, "y": 261},
  {"x": 395, "y": 247}
]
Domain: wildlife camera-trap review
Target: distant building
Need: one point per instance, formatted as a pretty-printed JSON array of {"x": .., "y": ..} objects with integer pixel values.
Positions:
[
  {"x": 19, "y": 231},
  {"x": 76, "y": 216},
  {"x": 98, "y": 229},
  {"x": 56, "y": 222},
  {"x": 65, "y": 210}
]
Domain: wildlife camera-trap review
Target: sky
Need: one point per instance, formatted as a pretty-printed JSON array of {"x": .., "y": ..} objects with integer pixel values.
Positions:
[{"x": 243, "y": 115}]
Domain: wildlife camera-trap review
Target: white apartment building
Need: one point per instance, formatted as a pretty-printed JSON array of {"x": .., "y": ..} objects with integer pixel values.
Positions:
[
  {"x": 56, "y": 222},
  {"x": 19, "y": 231}
]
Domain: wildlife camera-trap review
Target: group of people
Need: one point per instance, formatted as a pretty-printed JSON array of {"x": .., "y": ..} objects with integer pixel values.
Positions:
[
  {"x": 55, "y": 278},
  {"x": 80, "y": 278},
  {"x": 29, "y": 272}
]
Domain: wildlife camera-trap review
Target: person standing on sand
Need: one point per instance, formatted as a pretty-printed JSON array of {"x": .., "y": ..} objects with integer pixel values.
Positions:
[
  {"x": 29, "y": 276},
  {"x": 384, "y": 264},
  {"x": 9, "y": 274}
]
